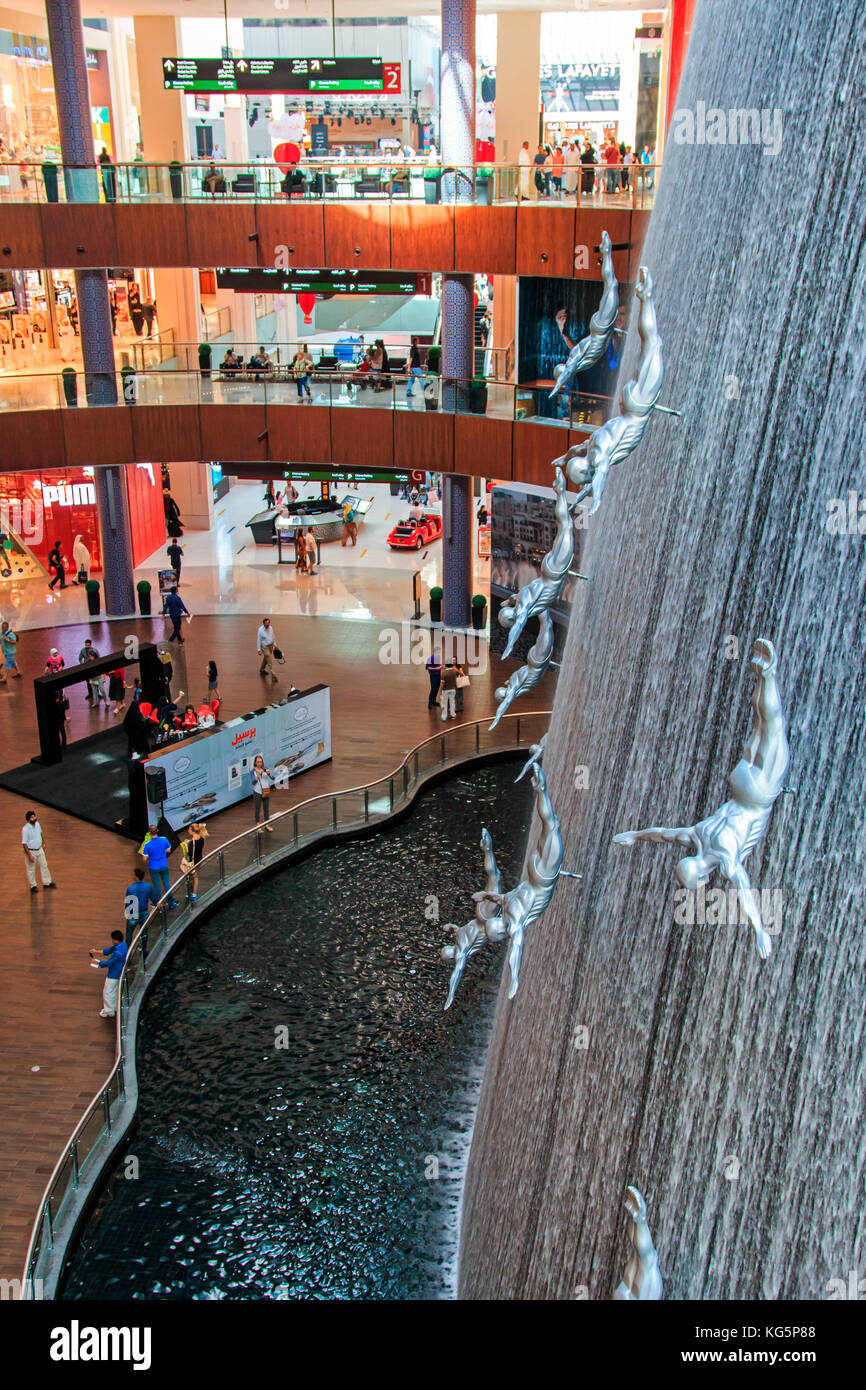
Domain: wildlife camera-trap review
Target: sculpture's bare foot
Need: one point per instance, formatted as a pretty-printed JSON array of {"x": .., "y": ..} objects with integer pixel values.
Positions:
[
  {"x": 625, "y": 837},
  {"x": 763, "y": 660},
  {"x": 764, "y": 943}
]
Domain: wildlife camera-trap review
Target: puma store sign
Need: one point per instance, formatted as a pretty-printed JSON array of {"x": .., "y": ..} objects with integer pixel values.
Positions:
[
  {"x": 69, "y": 495},
  {"x": 77, "y": 1343}
]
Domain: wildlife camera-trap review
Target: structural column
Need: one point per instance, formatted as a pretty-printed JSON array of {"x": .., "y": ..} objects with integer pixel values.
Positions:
[
  {"x": 518, "y": 82},
  {"x": 94, "y": 314},
  {"x": 457, "y": 140}
]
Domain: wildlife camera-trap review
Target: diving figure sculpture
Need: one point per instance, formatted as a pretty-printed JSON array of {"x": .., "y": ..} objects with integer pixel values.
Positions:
[
  {"x": 642, "y": 1282},
  {"x": 517, "y": 909},
  {"x": 587, "y": 464},
  {"x": 470, "y": 938},
  {"x": 592, "y": 348},
  {"x": 526, "y": 677},
  {"x": 542, "y": 592},
  {"x": 726, "y": 839}
]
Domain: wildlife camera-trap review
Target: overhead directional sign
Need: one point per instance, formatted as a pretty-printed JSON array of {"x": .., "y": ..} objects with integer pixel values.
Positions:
[
  {"x": 266, "y": 280},
  {"x": 294, "y": 76}
]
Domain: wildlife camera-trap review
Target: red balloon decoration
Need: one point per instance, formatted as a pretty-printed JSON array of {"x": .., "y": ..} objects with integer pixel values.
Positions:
[
  {"x": 287, "y": 154},
  {"x": 307, "y": 303}
]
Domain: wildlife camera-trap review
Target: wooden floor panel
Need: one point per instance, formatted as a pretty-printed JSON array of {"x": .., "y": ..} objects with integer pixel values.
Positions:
[{"x": 55, "y": 1051}]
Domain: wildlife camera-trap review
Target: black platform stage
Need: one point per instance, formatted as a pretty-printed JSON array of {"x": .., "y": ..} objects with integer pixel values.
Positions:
[{"x": 91, "y": 782}]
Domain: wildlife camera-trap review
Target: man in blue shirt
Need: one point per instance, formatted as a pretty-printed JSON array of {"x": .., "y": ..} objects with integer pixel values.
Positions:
[
  {"x": 175, "y": 607},
  {"x": 114, "y": 958},
  {"x": 156, "y": 851},
  {"x": 140, "y": 898}
]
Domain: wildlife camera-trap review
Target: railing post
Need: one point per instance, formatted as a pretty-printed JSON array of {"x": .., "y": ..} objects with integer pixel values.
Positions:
[
  {"x": 405, "y": 779},
  {"x": 221, "y": 861},
  {"x": 366, "y": 804},
  {"x": 416, "y": 765},
  {"x": 391, "y": 786},
  {"x": 442, "y": 750},
  {"x": 334, "y": 810},
  {"x": 106, "y": 1108},
  {"x": 477, "y": 737},
  {"x": 259, "y": 838},
  {"x": 46, "y": 1217},
  {"x": 518, "y": 728},
  {"x": 73, "y": 1154},
  {"x": 295, "y": 826}
]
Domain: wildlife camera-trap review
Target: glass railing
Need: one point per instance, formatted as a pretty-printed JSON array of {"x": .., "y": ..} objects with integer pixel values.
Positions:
[
  {"x": 337, "y": 387},
  {"x": 330, "y": 180},
  {"x": 226, "y": 868}
]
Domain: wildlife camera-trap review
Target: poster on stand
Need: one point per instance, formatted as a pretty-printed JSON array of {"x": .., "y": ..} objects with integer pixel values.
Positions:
[{"x": 211, "y": 771}]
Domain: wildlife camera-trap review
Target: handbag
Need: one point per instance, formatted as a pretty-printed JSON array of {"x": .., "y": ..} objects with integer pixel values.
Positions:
[
  {"x": 278, "y": 656},
  {"x": 462, "y": 682}
]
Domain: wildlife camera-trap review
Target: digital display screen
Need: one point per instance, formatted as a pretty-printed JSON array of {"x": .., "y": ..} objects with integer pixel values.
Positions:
[
  {"x": 266, "y": 280},
  {"x": 298, "y": 76},
  {"x": 323, "y": 475}
]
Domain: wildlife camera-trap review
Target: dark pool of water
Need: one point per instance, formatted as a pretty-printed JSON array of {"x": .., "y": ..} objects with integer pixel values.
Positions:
[{"x": 309, "y": 1170}]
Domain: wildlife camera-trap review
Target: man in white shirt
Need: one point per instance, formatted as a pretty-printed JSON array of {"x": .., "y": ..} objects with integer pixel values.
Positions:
[
  {"x": 34, "y": 853},
  {"x": 266, "y": 643},
  {"x": 572, "y": 164}
]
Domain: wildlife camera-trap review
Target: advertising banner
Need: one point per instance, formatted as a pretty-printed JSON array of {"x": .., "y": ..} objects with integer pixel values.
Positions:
[{"x": 210, "y": 771}]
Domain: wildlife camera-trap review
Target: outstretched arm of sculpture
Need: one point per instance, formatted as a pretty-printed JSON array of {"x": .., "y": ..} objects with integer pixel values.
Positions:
[
  {"x": 536, "y": 753},
  {"x": 767, "y": 747},
  {"x": 682, "y": 834},
  {"x": 491, "y": 868},
  {"x": 460, "y": 956},
  {"x": 746, "y": 897}
]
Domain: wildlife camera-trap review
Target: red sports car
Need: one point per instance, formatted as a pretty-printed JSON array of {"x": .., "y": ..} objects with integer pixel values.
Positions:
[{"x": 412, "y": 535}]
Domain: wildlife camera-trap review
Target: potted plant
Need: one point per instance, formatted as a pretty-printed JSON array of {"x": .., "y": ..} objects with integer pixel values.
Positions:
[
  {"x": 143, "y": 588},
  {"x": 432, "y": 183},
  {"x": 49, "y": 178},
  {"x": 204, "y": 358},
  {"x": 483, "y": 175},
  {"x": 479, "y": 612},
  {"x": 175, "y": 179},
  {"x": 92, "y": 591},
  {"x": 436, "y": 604},
  {"x": 69, "y": 377},
  {"x": 478, "y": 396}
]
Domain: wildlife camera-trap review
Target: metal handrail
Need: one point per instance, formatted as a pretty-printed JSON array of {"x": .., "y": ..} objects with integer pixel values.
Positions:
[{"x": 160, "y": 913}]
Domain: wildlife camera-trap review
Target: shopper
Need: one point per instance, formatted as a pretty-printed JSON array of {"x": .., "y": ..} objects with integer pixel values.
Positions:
[
  {"x": 173, "y": 521},
  {"x": 270, "y": 500},
  {"x": 156, "y": 850},
  {"x": 98, "y": 684},
  {"x": 449, "y": 691},
  {"x": 55, "y": 564},
  {"x": 538, "y": 161},
  {"x": 148, "y": 313},
  {"x": 54, "y": 663},
  {"x": 612, "y": 160},
  {"x": 139, "y": 900},
  {"x": 311, "y": 549},
  {"x": 302, "y": 365},
  {"x": 213, "y": 689},
  {"x": 587, "y": 167},
  {"x": 109, "y": 176},
  {"x": 34, "y": 853},
  {"x": 117, "y": 688},
  {"x": 8, "y": 645},
  {"x": 571, "y": 161},
  {"x": 350, "y": 526},
  {"x": 61, "y": 709},
  {"x": 524, "y": 165},
  {"x": 265, "y": 644},
  {"x": 81, "y": 560},
  {"x": 262, "y": 779},
  {"x": 300, "y": 549},
  {"x": 557, "y": 165},
  {"x": 174, "y": 551},
  {"x": 193, "y": 853},
  {"x": 114, "y": 959},
  {"x": 415, "y": 373},
  {"x": 434, "y": 671},
  {"x": 174, "y": 607},
  {"x": 87, "y": 652}
]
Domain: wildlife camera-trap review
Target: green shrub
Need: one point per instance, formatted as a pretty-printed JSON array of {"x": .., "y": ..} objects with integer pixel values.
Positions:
[{"x": 436, "y": 592}]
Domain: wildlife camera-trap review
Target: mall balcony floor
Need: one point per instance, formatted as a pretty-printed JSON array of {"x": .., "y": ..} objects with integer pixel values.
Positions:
[{"x": 224, "y": 571}]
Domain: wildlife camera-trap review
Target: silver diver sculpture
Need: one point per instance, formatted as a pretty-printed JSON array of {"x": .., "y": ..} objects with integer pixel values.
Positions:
[
  {"x": 542, "y": 592},
  {"x": 470, "y": 938},
  {"x": 526, "y": 677},
  {"x": 592, "y": 348},
  {"x": 501, "y": 915},
  {"x": 642, "y": 1282},
  {"x": 726, "y": 839},
  {"x": 587, "y": 464}
]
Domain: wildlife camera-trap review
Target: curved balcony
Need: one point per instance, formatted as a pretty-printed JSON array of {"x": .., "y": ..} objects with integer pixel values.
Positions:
[
  {"x": 311, "y": 824},
  {"x": 370, "y": 217},
  {"x": 484, "y": 427}
]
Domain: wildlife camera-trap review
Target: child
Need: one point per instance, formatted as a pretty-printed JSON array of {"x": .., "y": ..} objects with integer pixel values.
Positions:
[{"x": 213, "y": 691}]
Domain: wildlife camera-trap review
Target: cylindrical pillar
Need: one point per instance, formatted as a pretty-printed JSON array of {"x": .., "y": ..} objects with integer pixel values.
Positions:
[
  {"x": 457, "y": 550},
  {"x": 457, "y": 100},
  {"x": 72, "y": 93}
]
